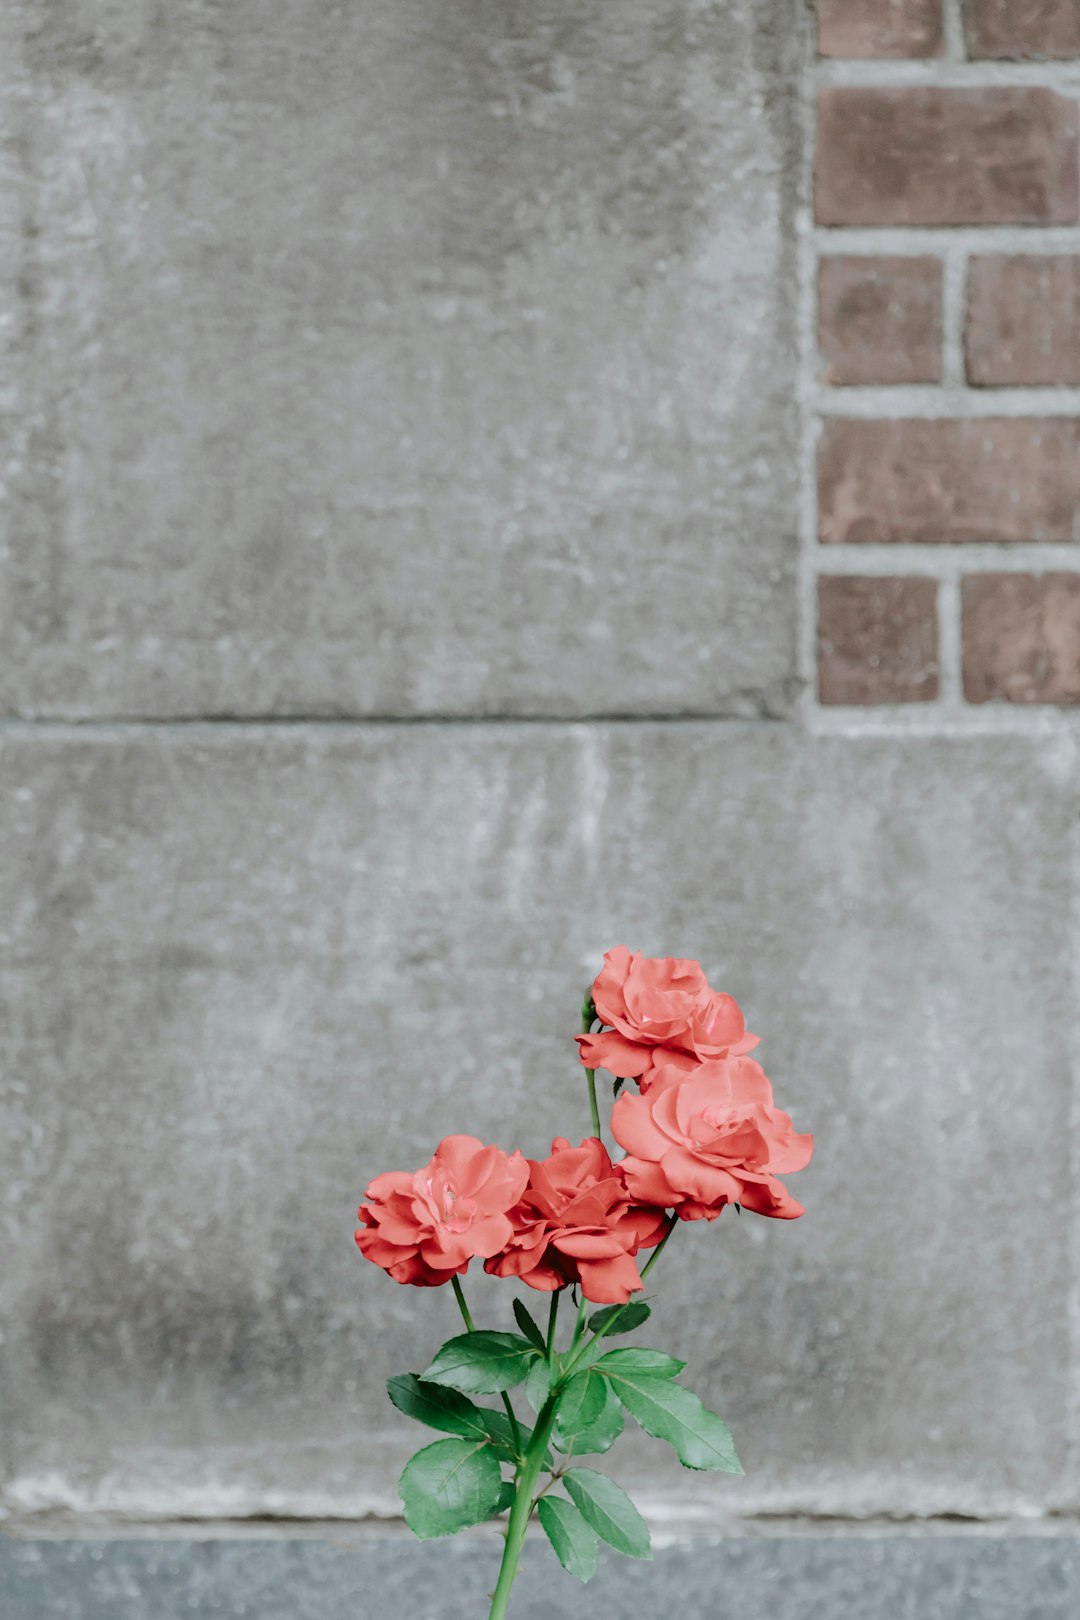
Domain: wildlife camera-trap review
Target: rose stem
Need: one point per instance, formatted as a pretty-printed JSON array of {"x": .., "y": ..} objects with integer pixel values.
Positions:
[
  {"x": 588, "y": 1015},
  {"x": 553, "y": 1316},
  {"x": 580, "y": 1323},
  {"x": 466, "y": 1314},
  {"x": 525, "y": 1480},
  {"x": 532, "y": 1464}
]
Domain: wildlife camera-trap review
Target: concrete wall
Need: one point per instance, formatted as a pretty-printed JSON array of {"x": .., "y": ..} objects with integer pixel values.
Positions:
[{"x": 400, "y": 589}]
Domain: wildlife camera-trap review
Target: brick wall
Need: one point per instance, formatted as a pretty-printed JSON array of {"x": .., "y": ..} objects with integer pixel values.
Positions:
[{"x": 944, "y": 292}]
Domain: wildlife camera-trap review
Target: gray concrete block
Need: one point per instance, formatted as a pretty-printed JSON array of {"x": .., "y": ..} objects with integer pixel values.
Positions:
[
  {"x": 246, "y": 970},
  {"x": 823, "y": 1577},
  {"x": 399, "y": 358}
]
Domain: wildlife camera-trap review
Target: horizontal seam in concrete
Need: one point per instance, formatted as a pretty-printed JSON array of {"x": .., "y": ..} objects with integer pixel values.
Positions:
[
  {"x": 14, "y": 726},
  {"x": 927, "y": 718},
  {"x": 104, "y": 1527}
]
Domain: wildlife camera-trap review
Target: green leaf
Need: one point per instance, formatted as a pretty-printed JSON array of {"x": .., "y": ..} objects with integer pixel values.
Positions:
[
  {"x": 538, "y": 1385},
  {"x": 605, "y": 1429},
  {"x": 573, "y": 1539},
  {"x": 498, "y": 1430},
  {"x": 452, "y": 1413},
  {"x": 529, "y": 1327},
  {"x": 450, "y": 1485},
  {"x": 482, "y": 1363},
  {"x": 669, "y": 1412},
  {"x": 439, "y": 1408},
  {"x": 580, "y": 1403},
  {"x": 651, "y": 1363},
  {"x": 609, "y": 1510},
  {"x": 620, "y": 1318},
  {"x": 506, "y": 1498}
]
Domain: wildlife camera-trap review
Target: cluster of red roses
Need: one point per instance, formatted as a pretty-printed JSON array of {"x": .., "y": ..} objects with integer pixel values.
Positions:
[{"x": 701, "y": 1132}]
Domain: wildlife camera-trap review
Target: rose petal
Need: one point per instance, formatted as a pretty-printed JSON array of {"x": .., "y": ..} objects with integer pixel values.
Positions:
[
  {"x": 696, "y": 1179},
  {"x": 591, "y": 1245},
  {"x": 647, "y": 1182},
  {"x": 613, "y": 1052},
  {"x": 634, "y": 1129},
  {"x": 609, "y": 1282}
]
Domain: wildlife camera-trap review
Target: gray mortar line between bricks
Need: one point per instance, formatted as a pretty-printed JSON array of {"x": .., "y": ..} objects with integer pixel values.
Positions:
[
  {"x": 950, "y": 561},
  {"x": 953, "y": 312},
  {"x": 929, "y": 400},
  {"x": 1037, "y": 723},
  {"x": 940, "y": 73},
  {"x": 950, "y": 651},
  {"x": 914, "y": 240},
  {"x": 953, "y": 29}
]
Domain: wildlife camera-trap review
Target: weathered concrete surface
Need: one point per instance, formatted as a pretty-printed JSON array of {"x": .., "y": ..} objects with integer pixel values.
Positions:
[
  {"x": 398, "y": 358},
  {"x": 245, "y": 970},
  {"x": 789, "y": 1578}
]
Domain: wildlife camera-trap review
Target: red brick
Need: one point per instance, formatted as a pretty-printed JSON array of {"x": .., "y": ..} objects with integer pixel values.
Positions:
[
  {"x": 1018, "y": 28},
  {"x": 995, "y": 156},
  {"x": 1023, "y": 319},
  {"x": 1002, "y": 478},
  {"x": 879, "y": 320},
  {"x": 1021, "y": 638},
  {"x": 869, "y": 28},
  {"x": 877, "y": 640}
]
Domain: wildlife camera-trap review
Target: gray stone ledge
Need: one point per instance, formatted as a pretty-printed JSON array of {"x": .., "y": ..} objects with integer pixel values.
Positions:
[{"x": 811, "y": 1577}]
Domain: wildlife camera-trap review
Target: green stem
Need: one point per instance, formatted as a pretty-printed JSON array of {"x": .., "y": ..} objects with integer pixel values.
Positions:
[
  {"x": 532, "y": 1463},
  {"x": 673, "y": 1221},
  {"x": 531, "y": 1466},
  {"x": 579, "y": 1325},
  {"x": 588, "y": 1017},
  {"x": 466, "y": 1316},
  {"x": 465, "y": 1312},
  {"x": 528, "y": 1474},
  {"x": 553, "y": 1316}
]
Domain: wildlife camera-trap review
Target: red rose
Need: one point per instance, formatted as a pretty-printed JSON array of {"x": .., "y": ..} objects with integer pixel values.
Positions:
[
  {"x": 699, "y": 1140},
  {"x": 423, "y": 1228},
  {"x": 653, "y": 1002},
  {"x": 576, "y": 1223}
]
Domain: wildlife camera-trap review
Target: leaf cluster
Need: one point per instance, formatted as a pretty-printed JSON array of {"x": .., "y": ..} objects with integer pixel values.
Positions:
[{"x": 580, "y": 1399}]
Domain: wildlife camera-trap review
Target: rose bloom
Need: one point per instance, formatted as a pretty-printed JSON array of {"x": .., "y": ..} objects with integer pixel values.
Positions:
[
  {"x": 701, "y": 1139},
  {"x": 576, "y": 1223},
  {"x": 656, "y": 1002},
  {"x": 425, "y": 1227}
]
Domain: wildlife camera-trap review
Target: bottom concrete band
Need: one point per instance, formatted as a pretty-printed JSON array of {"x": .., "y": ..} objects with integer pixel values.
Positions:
[{"x": 373, "y": 1576}]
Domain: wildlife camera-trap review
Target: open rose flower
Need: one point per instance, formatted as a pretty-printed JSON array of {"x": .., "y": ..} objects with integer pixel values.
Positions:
[
  {"x": 712, "y": 1136},
  {"x": 576, "y": 1223},
  {"x": 425, "y": 1227},
  {"x": 654, "y": 1003}
]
